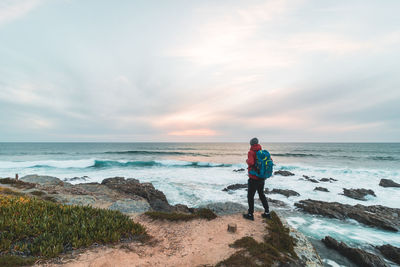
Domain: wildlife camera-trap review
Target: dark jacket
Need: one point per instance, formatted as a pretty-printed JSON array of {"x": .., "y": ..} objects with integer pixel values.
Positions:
[{"x": 251, "y": 159}]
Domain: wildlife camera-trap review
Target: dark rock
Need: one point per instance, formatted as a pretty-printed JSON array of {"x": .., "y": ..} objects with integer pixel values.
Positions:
[
  {"x": 283, "y": 173},
  {"x": 390, "y": 252},
  {"x": 310, "y": 179},
  {"x": 323, "y": 189},
  {"x": 239, "y": 170},
  {"x": 358, "y": 193},
  {"x": 285, "y": 192},
  {"x": 276, "y": 202},
  {"x": 327, "y": 180},
  {"x": 83, "y": 178},
  {"x": 235, "y": 187},
  {"x": 225, "y": 208},
  {"x": 376, "y": 216},
  {"x": 183, "y": 208},
  {"x": 358, "y": 256},
  {"x": 388, "y": 183},
  {"x": 156, "y": 198}
]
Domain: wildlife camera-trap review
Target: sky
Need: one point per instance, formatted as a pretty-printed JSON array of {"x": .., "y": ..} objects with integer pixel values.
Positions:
[{"x": 199, "y": 71}]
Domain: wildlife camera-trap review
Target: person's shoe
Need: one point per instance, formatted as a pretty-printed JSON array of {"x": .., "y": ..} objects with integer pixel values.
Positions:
[
  {"x": 248, "y": 216},
  {"x": 266, "y": 215}
]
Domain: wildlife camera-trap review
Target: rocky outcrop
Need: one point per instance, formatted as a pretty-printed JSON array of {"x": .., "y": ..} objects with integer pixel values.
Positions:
[
  {"x": 390, "y": 252},
  {"x": 310, "y": 179},
  {"x": 156, "y": 198},
  {"x": 283, "y": 173},
  {"x": 376, "y": 216},
  {"x": 388, "y": 183},
  {"x": 303, "y": 248},
  {"x": 234, "y": 187},
  {"x": 323, "y": 189},
  {"x": 327, "y": 180},
  {"x": 285, "y": 192},
  {"x": 239, "y": 170},
  {"x": 356, "y": 255},
  {"x": 358, "y": 194},
  {"x": 42, "y": 179},
  {"x": 118, "y": 193}
]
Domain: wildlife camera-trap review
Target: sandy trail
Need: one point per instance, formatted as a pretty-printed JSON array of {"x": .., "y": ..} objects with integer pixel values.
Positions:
[{"x": 193, "y": 243}]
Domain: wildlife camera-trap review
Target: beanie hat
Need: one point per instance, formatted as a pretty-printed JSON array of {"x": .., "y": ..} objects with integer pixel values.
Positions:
[{"x": 254, "y": 141}]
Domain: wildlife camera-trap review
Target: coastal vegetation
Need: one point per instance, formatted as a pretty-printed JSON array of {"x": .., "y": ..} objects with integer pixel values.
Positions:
[
  {"x": 176, "y": 216},
  {"x": 32, "y": 228},
  {"x": 277, "y": 246}
]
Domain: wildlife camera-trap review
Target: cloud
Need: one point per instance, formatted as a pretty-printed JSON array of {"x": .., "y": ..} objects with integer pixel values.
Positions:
[{"x": 13, "y": 9}]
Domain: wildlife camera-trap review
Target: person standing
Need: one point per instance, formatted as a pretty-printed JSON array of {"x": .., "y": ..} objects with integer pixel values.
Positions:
[{"x": 255, "y": 183}]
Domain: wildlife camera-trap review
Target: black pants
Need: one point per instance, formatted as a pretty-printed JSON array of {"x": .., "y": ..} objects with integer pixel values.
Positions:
[{"x": 253, "y": 186}]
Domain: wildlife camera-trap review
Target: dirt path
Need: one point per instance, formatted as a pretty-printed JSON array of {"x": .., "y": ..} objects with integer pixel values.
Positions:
[{"x": 192, "y": 243}]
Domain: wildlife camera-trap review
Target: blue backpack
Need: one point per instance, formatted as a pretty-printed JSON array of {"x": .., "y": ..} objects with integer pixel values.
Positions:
[{"x": 263, "y": 166}]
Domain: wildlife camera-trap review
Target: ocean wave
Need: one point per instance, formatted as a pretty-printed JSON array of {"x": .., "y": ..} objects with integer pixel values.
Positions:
[
  {"x": 388, "y": 158},
  {"x": 295, "y": 155},
  {"x": 151, "y": 152},
  {"x": 155, "y": 163},
  {"x": 97, "y": 163},
  {"x": 81, "y": 163}
]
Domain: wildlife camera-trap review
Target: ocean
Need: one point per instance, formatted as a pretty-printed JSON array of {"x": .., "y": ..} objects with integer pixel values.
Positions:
[{"x": 195, "y": 174}]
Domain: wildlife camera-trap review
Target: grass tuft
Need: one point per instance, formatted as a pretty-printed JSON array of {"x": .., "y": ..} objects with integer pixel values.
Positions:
[
  {"x": 174, "y": 216},
  {"x": 11, "y": 261},
  {"x": 31, "y": 227}
]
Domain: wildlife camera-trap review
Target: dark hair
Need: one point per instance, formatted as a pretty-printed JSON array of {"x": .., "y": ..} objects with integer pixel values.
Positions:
[{"x": 254, "y": 141}]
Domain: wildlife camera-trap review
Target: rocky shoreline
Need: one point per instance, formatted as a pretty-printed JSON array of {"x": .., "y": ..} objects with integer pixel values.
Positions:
[{"x": 132, "y": 197}]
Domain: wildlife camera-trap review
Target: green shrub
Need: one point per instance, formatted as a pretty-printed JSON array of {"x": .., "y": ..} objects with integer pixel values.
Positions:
[
  {"x": 38, "y": 228},
  {"x": 11, "y": 260},
  {"x": 175, "y": 216}
]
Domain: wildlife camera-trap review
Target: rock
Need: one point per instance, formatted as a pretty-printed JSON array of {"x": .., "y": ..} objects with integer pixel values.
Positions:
[
  {"x": 78, "y": 200},
  {"x": 323, "y": 189},
  {"x": 183, "y": 208},
  {"x": 156, "y": 198},
  {"x": 388, "y": 183},
  {"x": 225, "y": 208},
  {"x": 283, "y": 173},
  {"x": 234, "y": 187},
  {"x": 239, "y": 170},
  {"x": 303, "y": 248},
  {"x": 310, "y": 179},
  {"x": 376, "y": 216},
  {"x": 390, "y": 252},
  {"x": 42, "y": 180},
  {"x": 327, "y": 180},
  {"x": 276, "y": 202},
  {"x": 285, "y": 192},
  {"x": 358, "y": 256},
  {"x": 358, "y": 193},
  {"x": 232, "y": 227},
  {"x": 83, "y": 178},
  {"x": 130, "y": 206}
]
